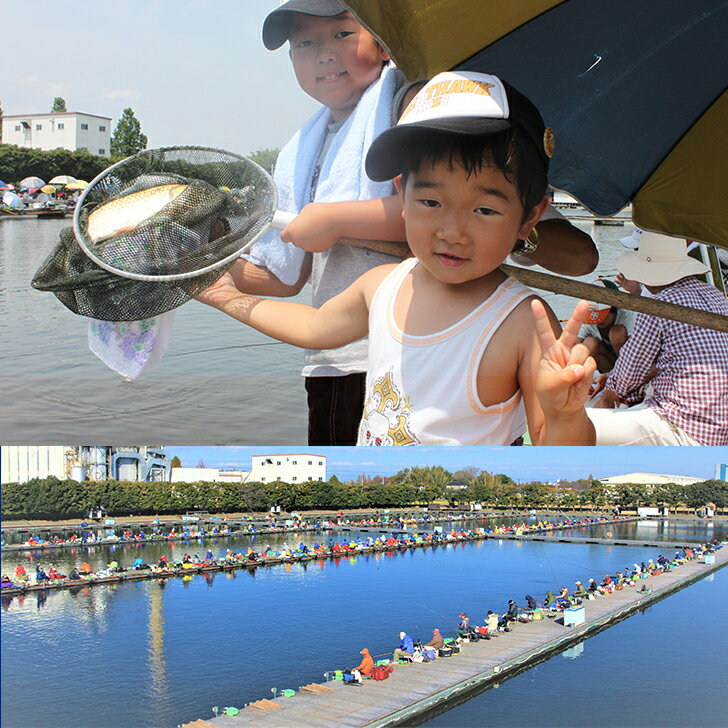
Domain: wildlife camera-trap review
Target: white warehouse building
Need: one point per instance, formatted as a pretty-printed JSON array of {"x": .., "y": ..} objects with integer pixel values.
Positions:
[
  {"x": 60, "y": 129},
  {"x": 288, "y": 467},
  {"x": 649, "y": 479},
  {"x": 21, "y": 463}
]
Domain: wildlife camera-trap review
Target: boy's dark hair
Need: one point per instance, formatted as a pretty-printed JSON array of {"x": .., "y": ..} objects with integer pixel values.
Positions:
[{"x": 511, "y": 151}]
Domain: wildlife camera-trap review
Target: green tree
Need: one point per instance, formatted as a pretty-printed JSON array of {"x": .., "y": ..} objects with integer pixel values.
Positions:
[
  {"x": 59, "y": 104},
  {"x": 466, "y": 475},
  {"x": 127, "y": 138},
  {"x": 266, "y": 158},
  {"x": 176, "y": 462}
]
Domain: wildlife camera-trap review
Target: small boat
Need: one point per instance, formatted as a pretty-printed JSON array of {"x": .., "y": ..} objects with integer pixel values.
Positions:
[{"x": 40, "y": 213}]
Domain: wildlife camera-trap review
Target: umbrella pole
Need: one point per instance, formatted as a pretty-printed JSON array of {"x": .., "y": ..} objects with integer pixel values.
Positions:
[
  {"x": 709, "y": 256},
  {"x": 653, "y": 307}
]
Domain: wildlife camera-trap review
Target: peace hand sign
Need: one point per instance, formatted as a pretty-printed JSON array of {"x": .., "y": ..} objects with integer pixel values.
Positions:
[{"x": 566, "y": 369}]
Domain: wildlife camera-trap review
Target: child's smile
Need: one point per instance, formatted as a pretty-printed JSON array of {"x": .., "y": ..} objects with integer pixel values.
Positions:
[{"x": 335, "y": 60}]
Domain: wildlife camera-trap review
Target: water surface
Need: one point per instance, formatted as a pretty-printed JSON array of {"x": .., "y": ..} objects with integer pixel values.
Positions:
[
  {"x": 219, "y": 382},
  {"x": 154, "y": 654}
]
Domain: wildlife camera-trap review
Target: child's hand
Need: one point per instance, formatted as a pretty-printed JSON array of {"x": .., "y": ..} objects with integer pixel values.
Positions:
[
  {"x": 566, "y": 370},
  {"x": 314, "y": 228},
  {"x": 219, "y": 292}
]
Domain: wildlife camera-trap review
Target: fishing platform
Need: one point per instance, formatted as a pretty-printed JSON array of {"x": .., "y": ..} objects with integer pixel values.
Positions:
[{"x": 413, "y": 690}]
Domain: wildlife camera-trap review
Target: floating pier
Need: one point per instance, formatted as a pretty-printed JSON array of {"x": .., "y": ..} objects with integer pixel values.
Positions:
[
  {"x": 415, "y": 689},
  {"x": 177, "y": 570}
]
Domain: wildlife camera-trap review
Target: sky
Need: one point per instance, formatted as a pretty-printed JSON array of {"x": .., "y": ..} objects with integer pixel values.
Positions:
[
  {"x": 520, "y": 463},
  {"x": 195, "y": 72}
]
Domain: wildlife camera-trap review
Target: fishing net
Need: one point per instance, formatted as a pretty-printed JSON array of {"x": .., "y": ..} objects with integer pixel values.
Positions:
[{"x": 155, "y": 230}]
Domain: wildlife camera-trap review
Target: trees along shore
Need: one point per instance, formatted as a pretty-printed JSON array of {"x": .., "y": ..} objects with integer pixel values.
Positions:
[{"x": 53, "y": 499}]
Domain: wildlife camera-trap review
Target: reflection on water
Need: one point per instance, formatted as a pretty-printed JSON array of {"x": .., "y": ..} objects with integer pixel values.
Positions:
[
  {"x": 219, "y": 383},
  {"x": 157, "y": 663}
]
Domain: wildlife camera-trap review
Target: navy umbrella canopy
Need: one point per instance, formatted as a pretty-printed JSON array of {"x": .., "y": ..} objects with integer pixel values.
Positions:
[{"x": 635, "y": 92}]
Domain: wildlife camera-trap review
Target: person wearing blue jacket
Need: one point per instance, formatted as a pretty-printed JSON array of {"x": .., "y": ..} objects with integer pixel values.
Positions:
[{"x": 406, "y": 647}]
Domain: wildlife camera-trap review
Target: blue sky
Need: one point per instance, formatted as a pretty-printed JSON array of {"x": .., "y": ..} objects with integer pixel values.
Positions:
[
  {"x": 521, "y": 463},
  {"x": 194, "y": 71}
]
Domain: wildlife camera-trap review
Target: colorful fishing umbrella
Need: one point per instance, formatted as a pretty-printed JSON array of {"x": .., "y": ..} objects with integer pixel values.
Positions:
[
  {"x": 12, "y": 200},
  {"x": 79, "y": 184},
  {"x": 62, "y": 179},
  {"x": 635, "y": 92},
  {"x": 32, "y": 182},
  {"x": 48, "y": 188},
  {"x": 6, "y": 186}
]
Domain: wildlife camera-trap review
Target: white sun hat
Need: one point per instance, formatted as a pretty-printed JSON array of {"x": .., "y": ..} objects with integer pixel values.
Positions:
[{"x": 660, "y": 260}]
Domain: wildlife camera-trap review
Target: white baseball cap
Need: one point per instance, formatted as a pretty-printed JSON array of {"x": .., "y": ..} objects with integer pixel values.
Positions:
[
  {"x": 458, "y": 102},
  {"x": 632, "y": 241}
]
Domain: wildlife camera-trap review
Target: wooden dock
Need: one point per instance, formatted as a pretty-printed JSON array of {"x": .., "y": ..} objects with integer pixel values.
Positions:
[{"x": 413, "y": 690}]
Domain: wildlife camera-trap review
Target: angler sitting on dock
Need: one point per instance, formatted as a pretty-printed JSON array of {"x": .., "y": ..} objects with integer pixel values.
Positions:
[
  {"x": 436, "y": 641},
  {"x": 365, "y": 667},
  {"x": 463, "y": 629},
  {"x": 511, "y": 615},
  {"x": 406, "y": 648},
  {"x": 491, "y": 622}
]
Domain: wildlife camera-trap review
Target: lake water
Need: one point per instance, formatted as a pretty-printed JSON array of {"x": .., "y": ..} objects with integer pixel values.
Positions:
[
  {"x": 219, "y": 382},
  {"x": 153, "y": 655}
]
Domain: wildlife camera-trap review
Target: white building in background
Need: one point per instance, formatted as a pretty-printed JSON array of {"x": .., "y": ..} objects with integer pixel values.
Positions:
[
  {"x": 65, "y": 129},
  {"x": 649, "y": 479},
  {"x": 21, "y": 463},
  {"x": 208, "y": 475},
  {"x": 288, "y": 467}
]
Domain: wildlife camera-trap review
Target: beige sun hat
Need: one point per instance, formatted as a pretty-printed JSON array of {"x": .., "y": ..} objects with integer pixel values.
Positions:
[{"x": 659, "y": 260}]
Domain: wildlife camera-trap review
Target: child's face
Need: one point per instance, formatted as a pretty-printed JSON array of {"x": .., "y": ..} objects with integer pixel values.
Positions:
[
  {"x": 335, "y": 60},
  {"x": 460, "y": 227}
]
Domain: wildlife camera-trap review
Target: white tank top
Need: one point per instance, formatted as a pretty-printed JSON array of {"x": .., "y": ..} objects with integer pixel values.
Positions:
[{"x": 422, "y": 390}]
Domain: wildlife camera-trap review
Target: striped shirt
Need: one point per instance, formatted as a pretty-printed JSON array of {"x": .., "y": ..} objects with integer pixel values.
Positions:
[{"x": 691, "y": 389}]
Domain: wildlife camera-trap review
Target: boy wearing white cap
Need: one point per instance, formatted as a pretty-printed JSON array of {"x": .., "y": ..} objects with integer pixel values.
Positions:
[
  {"x": 453, "y": 347},
  {"x": 689, "y": 401}
]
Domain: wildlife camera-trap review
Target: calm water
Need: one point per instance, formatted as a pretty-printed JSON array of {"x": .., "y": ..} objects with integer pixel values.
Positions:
[
  {"x": 219, "y": 383},
  {"x": 153, "y": 655}
]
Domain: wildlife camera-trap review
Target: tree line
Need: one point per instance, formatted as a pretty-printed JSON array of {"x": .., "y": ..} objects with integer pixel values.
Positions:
[{"x": 53, "y": 498}]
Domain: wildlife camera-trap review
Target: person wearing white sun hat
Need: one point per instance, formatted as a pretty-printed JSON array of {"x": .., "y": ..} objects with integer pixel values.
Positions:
[{"x": 689, "y": 401}]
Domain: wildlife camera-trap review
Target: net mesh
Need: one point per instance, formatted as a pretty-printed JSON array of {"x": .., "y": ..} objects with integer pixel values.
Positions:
[{"x": 167, "y": 214}]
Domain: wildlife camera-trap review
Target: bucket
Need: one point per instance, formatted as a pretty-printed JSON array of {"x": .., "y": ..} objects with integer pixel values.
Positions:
[
  {"x": 288, "y": 693},
  {"x": 537, "y": 615},
  {"x": 338, "y": 674}
]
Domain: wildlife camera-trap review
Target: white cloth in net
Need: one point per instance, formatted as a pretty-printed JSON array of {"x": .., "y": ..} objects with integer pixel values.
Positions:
[{"x": 131, "y": 348}]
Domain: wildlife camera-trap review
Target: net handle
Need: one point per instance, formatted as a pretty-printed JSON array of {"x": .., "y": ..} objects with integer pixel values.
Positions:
[{"x": 177, "y": 276}]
